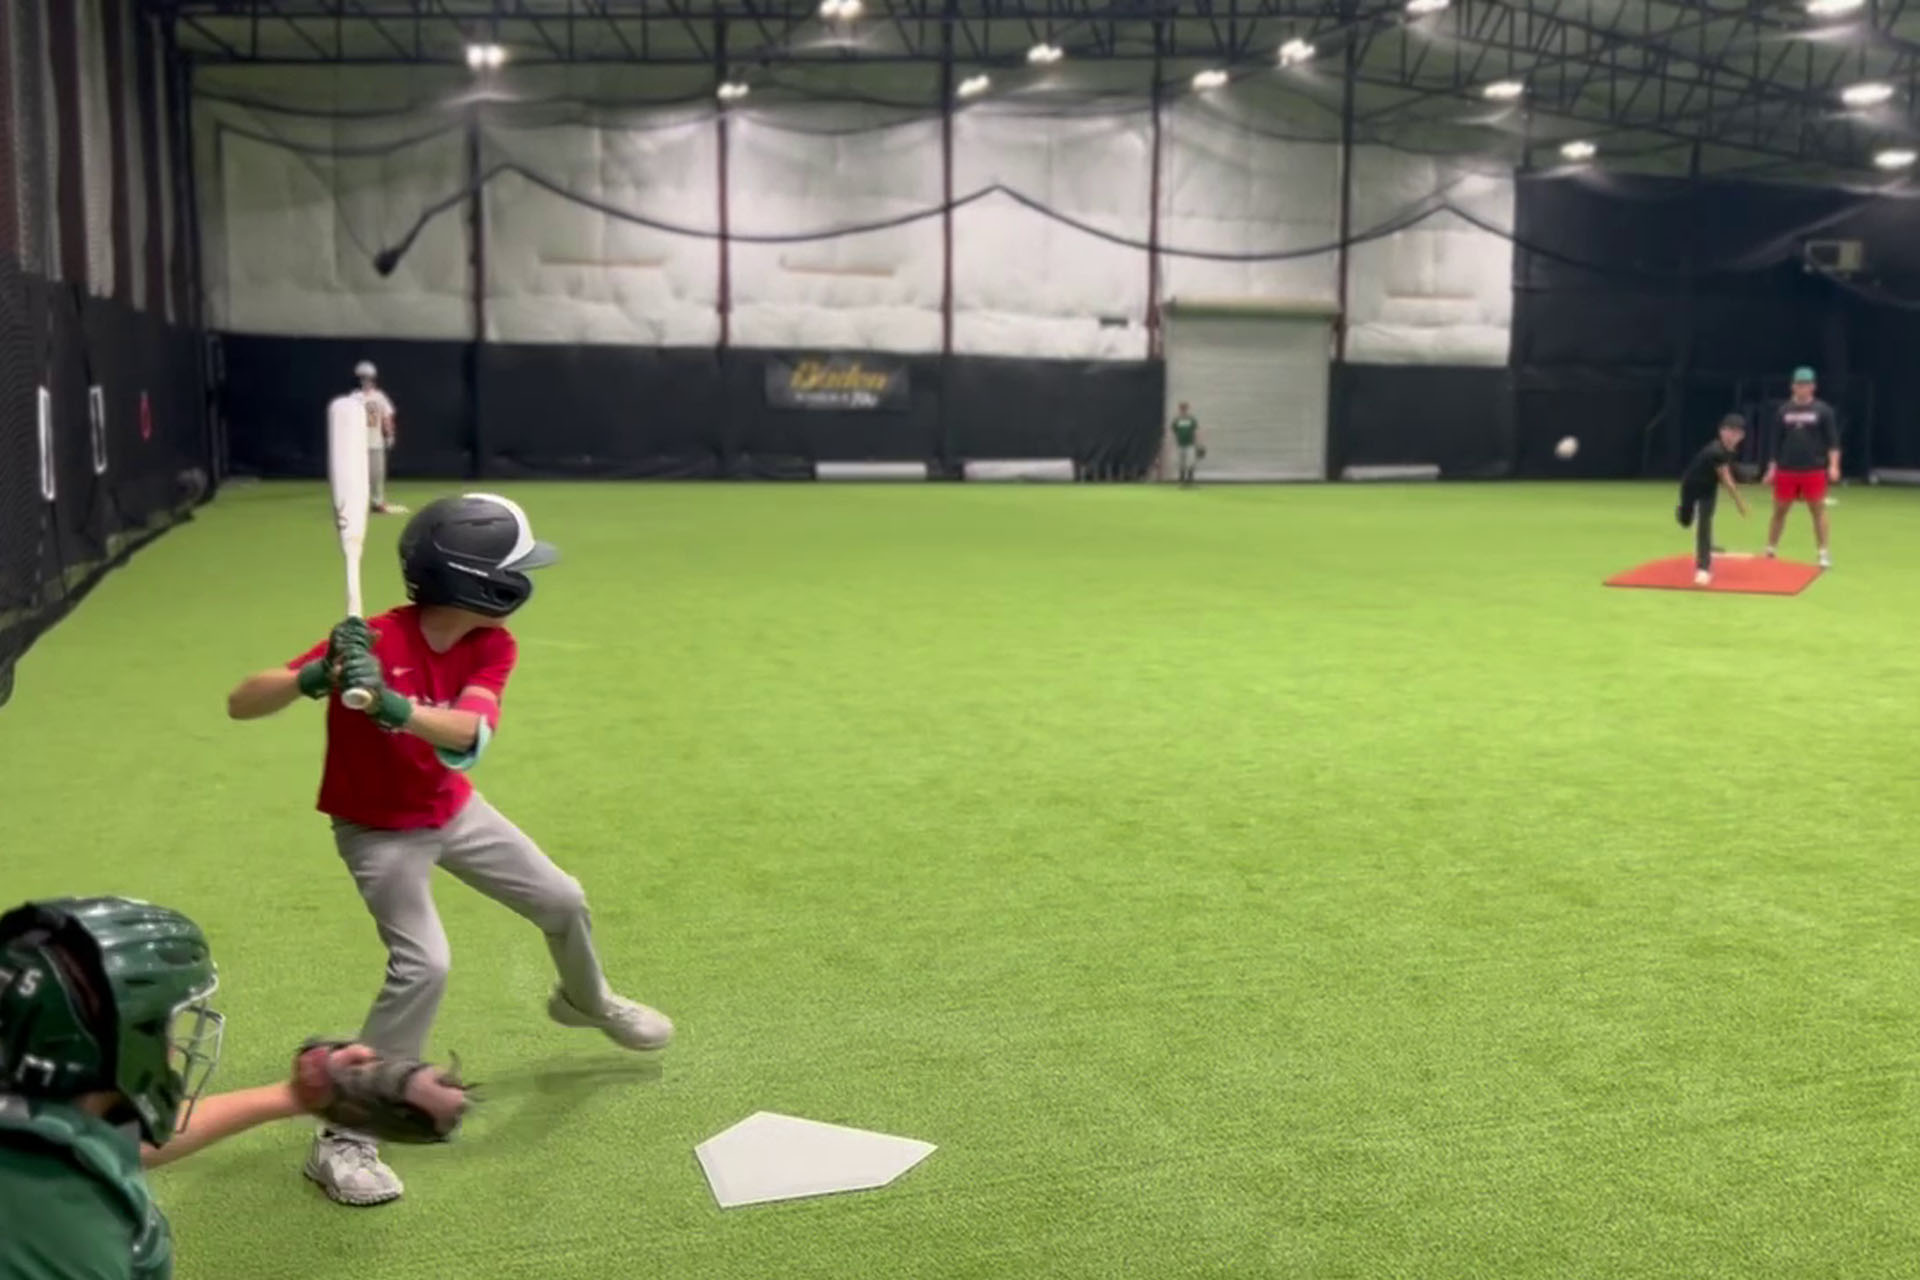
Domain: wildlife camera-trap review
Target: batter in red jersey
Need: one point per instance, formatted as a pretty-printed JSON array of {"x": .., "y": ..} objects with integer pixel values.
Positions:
[{"x": 395, "y": 786}]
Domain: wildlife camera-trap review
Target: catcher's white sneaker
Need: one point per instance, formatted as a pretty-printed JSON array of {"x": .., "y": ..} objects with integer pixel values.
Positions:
[
  {"x": 627, "y": 1023},
  {"x": 350, "y": 1170}
]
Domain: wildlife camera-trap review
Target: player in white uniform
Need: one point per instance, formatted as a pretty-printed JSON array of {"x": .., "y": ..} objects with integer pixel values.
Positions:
[{"x": 380, "y": 435}]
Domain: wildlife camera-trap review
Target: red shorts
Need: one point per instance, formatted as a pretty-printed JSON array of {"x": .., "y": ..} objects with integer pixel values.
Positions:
[{"x": 1793, "y": 486}]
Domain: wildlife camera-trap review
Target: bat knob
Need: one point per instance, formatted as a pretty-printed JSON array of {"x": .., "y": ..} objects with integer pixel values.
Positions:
[{"x": 357, "y": 699}]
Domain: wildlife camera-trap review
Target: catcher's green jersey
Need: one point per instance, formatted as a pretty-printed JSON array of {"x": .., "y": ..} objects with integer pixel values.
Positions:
[
  {"x": 1184, "y": 429},
  {"x": 74, "y": 1200}
]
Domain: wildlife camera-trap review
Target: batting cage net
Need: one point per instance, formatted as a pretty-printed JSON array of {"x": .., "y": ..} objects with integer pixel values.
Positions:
[{"x": 103, "y": 422}]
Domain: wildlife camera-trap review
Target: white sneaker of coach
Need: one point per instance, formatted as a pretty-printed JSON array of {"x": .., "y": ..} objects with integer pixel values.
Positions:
[
  {"x": 350, "y": 1171},
  {"x": 627, "y": 1023}
]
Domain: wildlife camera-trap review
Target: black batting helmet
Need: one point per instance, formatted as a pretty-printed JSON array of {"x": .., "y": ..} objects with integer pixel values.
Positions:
[{"x": 472, "y": 552}]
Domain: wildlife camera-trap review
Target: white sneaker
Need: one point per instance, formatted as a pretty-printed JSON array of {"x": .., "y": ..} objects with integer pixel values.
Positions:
[
  {"x": 1826, "y": 560},
  {"x": 627, "y": 1023},
  {"x": 1702, "y": 578},
  {"x": 350, "y": 1170},
  {"x": 1770, "y": 553}
]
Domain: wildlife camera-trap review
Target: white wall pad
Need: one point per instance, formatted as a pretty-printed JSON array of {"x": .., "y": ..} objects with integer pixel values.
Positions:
[
  {"x": 1440, "y": 292},
  {"x": 870, "y": 471},
  {"x": 1411, "y": 471},
  {"x": 769, "y": 1157},
  {"x": 1894, "y": 475},
  {"x": 1051, "y": 469}
]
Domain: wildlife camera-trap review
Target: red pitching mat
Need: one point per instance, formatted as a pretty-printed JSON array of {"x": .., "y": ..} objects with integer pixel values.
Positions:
[{"x": 1747, "y": 575}]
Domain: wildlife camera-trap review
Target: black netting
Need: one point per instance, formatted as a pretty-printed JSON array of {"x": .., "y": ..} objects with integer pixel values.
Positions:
[{"x": 103, "y": 440}]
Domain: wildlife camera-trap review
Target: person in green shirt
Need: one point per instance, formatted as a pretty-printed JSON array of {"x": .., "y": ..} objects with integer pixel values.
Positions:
[
  {"x": 106, "y": 1044},
  {"x": 1186, "y": 440}
]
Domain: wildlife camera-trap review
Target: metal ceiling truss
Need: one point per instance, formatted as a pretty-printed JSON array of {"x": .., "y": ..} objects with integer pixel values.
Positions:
[{"x": 1752, "y": 78}]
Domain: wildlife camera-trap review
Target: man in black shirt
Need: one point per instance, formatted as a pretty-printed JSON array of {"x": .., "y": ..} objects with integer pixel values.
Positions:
[
  {"x": 1806, "y": 455},
  {"x": 1700, "y": 485}
]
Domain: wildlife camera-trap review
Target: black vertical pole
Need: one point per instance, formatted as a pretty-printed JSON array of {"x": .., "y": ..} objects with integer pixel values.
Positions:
[
  {"x": 722, "y": 162},
  {"x": 1156, "y": 338},
  {"x": 1346, "y": 203},
  {"x": 946, "y": 179},
  {"x": 1522, "y": 265},
  {"x": 725, "y": 440},
  {"x": 1673, "y": 402},
  {"x": 477, "y": 237},
  {"x": 194, "y": 316},
  {"x": 1155, "y": 345},
  {"x": 947, "y": 460},
  {"x": 1337, "y": 399}
]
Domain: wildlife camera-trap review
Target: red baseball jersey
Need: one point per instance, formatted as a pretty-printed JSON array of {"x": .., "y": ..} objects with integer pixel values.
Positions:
[{"x": 388, "y": 778}]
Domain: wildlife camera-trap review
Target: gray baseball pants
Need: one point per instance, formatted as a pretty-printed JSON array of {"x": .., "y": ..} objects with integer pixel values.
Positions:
[
  {"x": 394, "y": 871},
  {"x": 377, "y": 475}
]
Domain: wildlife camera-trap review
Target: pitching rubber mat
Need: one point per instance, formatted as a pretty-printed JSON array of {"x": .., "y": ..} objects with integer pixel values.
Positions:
[{"x": 1739, "y": 574}]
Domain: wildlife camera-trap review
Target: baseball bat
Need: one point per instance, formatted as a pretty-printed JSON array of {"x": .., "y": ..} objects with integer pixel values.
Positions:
[{"x": 348, "y": 476}]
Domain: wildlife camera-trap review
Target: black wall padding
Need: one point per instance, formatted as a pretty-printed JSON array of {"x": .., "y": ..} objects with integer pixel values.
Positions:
[
  {"x": 274, "y": 393},
  {"x": 638, "y": 412},
  {"x": 1459, "y": 418},
  {"x": 52, "y": 554},
  {"x": 619, "y": 412},
  {"x": 1106, "y": 416},
  {"x": 775, "y": 444},
  {"x": 1685, "y": 299}
]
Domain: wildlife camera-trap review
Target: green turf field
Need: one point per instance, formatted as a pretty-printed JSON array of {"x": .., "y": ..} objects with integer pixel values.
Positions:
[{"x": 1292, "y": 882}]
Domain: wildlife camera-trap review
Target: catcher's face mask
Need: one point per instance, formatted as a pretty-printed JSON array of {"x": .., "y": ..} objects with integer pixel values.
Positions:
[{"x": 194, "y": 1035}]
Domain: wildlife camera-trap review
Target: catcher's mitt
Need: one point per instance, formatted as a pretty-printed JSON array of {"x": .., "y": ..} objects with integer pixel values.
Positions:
[{"x": 390, "y": 1099}]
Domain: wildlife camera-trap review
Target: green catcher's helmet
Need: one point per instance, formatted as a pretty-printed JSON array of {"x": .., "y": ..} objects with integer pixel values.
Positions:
[{"x": 108, "y": 994}]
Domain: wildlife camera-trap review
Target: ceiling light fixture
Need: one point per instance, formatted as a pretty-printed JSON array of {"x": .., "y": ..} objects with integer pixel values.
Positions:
[
  {"x": 1868, "y": 93},
  {"x": 1294, "y": 52}
]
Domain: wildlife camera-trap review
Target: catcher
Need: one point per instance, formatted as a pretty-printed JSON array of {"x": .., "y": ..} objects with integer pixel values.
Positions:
[{"x": 106, "y": 1045}]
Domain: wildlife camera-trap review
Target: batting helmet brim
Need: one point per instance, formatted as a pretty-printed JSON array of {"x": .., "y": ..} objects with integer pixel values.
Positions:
[{"x": 538, "y": 556}]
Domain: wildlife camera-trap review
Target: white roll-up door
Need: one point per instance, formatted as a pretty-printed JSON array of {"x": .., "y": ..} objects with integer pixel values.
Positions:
[{"x": 1255, "y": 374}]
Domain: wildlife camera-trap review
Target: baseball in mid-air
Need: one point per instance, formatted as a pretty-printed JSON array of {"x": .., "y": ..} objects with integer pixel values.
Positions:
[{"x": 1567, "y": 447}]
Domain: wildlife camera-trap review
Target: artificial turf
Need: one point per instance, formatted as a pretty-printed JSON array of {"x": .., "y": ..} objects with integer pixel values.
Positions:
[{"x": 1248, "y": 882}]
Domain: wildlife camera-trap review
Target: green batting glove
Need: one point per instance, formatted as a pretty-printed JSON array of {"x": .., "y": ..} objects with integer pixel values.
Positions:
[
  {"x": 349, "y": 636},
  {"x": 316, "y": 681},
  {"x": 390, "y": 710},
  {"x": 361, "y": 670}
]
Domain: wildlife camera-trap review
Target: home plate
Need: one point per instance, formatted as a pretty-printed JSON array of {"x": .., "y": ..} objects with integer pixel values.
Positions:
[{"x": 773, "y": 1157}]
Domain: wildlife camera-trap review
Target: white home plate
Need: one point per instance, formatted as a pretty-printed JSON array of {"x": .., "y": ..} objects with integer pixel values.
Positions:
[{"x": 772, "y": 1157}]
